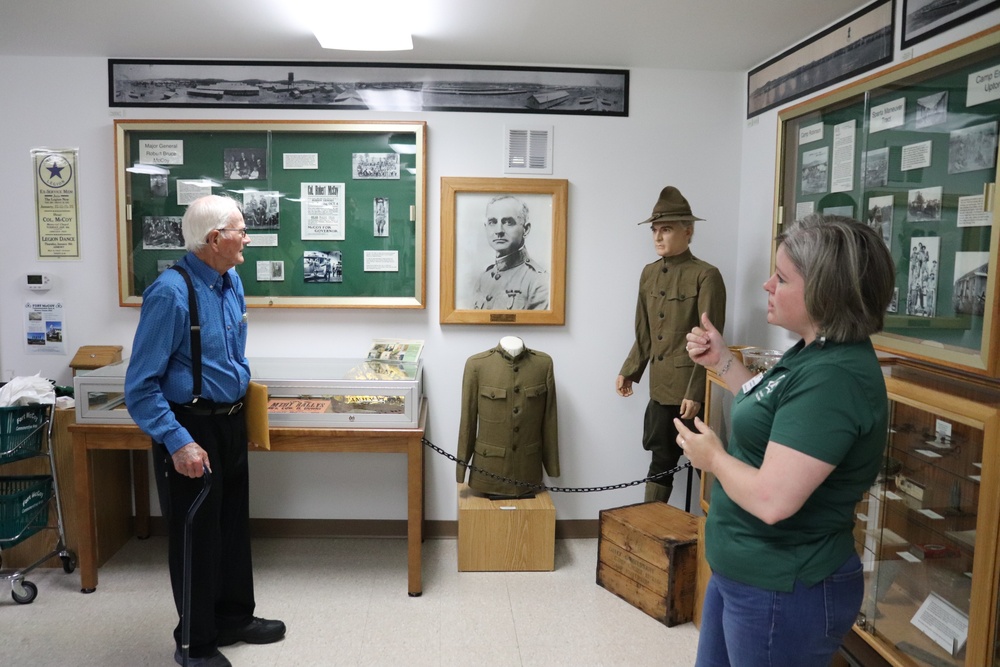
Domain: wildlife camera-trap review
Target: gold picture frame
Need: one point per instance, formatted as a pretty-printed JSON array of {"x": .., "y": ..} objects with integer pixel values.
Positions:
[{"x": 475, "y": 287}]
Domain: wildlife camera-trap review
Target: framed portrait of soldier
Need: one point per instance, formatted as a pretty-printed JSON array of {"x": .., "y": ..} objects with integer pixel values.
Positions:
[{"x": 503, "y": 250}]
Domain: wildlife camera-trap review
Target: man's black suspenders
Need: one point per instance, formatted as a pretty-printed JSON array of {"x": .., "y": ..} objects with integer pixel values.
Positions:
[{"x": 195, "y": 334}]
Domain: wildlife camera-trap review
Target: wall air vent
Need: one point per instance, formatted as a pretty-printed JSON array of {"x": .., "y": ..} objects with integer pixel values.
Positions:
[{"x": 527, "y": 151}]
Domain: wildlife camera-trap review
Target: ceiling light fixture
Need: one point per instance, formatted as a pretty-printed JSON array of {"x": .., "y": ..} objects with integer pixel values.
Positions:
[
  {"x": 344, "y": 38},
  {"x": 373, "y": 25}
]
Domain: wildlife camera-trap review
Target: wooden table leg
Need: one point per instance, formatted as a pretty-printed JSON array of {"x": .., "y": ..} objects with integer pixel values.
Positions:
[
  {"x": 140, "y": 482},
  {"x": 414, "y": 515},
  {"x": 87, "y": 548}
]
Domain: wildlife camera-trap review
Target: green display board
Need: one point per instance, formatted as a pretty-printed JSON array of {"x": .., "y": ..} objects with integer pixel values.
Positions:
[
  {"x": 913, "y": 153},
  {"x": 334, "y": 210}
]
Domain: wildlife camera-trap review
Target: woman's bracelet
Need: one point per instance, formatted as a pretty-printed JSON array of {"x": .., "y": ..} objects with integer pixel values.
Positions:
[{"x": 725, "y": 368}]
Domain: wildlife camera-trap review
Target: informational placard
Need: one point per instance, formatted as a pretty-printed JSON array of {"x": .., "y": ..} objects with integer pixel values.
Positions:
[
  {"x": 43, "y": 327},
  {"x": 943, "y": 622},
  {"x": 56, "y": 203}
]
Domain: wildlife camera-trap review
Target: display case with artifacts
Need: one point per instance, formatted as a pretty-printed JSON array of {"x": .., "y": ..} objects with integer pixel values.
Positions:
[
  {"x": 927, "y": 529},
  {"x": 359, "y": 393},
  {"x": 306, "y": 392},
  {"x": 100, "y": 395}
]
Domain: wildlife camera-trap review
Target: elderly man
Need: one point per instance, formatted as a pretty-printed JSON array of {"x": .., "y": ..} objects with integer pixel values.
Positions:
[
  {"x": 184, "y": 387},
  {"x": 514, "y": 281},
  {"x": 673, "y": 293}
]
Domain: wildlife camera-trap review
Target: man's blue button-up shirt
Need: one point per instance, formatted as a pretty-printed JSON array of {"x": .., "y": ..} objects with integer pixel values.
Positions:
[{"x": 159, "y": 369}]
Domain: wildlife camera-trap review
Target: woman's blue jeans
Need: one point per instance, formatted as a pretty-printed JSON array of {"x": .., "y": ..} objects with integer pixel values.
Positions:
[{"x": 746, "y": 626}]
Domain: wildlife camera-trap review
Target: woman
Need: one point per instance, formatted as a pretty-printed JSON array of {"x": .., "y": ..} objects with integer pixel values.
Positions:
[{"x": 807, "y": 441}]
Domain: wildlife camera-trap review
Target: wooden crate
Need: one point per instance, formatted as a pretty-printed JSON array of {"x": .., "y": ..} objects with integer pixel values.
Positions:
[
  {"x": 505, "y": 535},
  {"x": 647, "y": 555}
]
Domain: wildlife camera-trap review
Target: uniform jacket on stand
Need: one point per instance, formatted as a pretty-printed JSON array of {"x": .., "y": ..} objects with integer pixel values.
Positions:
[{"x": 508, "y": 425}]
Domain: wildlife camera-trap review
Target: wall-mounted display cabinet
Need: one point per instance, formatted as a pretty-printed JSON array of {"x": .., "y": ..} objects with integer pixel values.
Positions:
[
  {"x": 334, "y": 210},
  {"x": 928, "y": 529},
  {"x": 912, "y": 151}
]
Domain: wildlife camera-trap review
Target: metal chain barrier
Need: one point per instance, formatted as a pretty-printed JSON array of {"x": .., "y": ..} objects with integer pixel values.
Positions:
[{"x": 556, "y": 489}]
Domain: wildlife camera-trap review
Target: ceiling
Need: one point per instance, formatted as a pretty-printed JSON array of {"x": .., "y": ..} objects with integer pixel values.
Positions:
[{"x": 727, "y": 35}]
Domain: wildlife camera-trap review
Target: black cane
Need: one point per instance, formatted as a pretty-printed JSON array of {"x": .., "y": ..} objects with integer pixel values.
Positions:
[{"x": 186, "y": 604}]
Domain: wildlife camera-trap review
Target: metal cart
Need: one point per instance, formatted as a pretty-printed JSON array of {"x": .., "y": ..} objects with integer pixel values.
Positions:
[{"x": 25, "y": 432}]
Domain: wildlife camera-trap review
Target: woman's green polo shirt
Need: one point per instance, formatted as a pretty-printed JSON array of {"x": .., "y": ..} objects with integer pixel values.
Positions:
[{"x": 828, "y": 401}]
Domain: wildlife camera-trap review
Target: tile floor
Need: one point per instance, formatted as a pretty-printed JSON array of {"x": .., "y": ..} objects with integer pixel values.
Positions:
[{"x": 345, "y": 604}]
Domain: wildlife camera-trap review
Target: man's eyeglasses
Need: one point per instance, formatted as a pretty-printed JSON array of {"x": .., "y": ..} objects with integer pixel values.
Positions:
[{"x": 241, "y": 230}]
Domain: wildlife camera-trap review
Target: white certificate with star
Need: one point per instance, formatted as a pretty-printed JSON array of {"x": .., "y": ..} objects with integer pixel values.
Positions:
[{"x": 56, "y": 203}]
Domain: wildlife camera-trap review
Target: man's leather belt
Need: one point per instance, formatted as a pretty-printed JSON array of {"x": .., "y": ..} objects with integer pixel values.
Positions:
[{"x": 205, "y": 408}]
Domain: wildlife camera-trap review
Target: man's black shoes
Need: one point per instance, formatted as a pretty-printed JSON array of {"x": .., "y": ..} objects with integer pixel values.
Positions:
[{"x": 257, "y": 631}]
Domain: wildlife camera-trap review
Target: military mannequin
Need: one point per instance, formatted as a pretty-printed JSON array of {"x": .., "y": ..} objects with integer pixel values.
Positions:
[
  {"x": 514, "y": 281},
  {"x": 673, "y": 293},
  {"x": 509, "y": 420}
]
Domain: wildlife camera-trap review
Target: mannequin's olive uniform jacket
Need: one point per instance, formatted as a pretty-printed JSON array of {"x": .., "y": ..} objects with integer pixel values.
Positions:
[
  {"x": 508, "y": 425},
  {"x": 673, "y": 293}
]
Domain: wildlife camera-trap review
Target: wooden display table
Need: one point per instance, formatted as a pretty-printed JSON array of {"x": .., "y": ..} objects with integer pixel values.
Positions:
[
  {"x": 89, "y": 438},
  {"x": 509, "y": 535}
]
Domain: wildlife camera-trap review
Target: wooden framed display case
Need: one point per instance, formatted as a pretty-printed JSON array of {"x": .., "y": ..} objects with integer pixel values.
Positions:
[
  {"x": 718, "y": 404},
  {"x": 927, "y": 531},
  {"x": 335, "y": 210},
  {"x": 301, "y": 392},
  {"x": 912, "y": 151}
]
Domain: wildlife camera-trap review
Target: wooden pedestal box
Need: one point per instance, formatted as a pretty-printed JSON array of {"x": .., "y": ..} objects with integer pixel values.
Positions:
[
  {"x": 648, "y": 556},
  {"x": 505, "y": 535}
]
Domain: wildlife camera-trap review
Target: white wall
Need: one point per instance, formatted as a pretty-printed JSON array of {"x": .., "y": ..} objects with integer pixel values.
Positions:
[{"x": 683, "y": 129}]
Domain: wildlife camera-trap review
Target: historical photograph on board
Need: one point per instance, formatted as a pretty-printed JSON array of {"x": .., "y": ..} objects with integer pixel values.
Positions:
[
  {"x": 321, "y": 266},
  {"x": 972, "y": 148},
  {"x": 879, "y": 217},
  {"x": 924, "y": 205},
  {"x": 815, "y": 167},
  {"x": 375, "y": 165},
  {"x": 875, "y": 166},
  {"x": 260, "y": 209},
  {"x": 244, "y": 164},
  {"x": 380, "y": 223},
  {"x": 921, "y": 294},
  {"x": 969, "y": 291},
  {"x": 162, "y": 232}
]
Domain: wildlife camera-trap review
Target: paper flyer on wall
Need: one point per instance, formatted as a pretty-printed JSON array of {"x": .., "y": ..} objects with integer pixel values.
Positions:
[
  {"x": 43, "y": 327},
  {"x": 56, "y": 203},
  {"x": 322, "y": 211}
]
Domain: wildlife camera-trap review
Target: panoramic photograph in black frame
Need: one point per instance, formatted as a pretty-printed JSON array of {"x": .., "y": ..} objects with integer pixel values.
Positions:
[
  {"x": 862, "y": 41},
  {"x": 366, "y": 86},
  {"x": 923, "y": 19}
]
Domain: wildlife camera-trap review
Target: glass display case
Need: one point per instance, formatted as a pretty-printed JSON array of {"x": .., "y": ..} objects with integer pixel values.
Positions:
[
  {"x": 100, "y": 395},
  {"x": 362, "y": 393},
  {"x": 927, "y": 530},
  {"x": 306, "y": 392},
  {"x": 718, "y": 405}
]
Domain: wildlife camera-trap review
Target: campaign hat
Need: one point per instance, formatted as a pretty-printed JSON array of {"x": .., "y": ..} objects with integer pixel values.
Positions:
[{"x": 671, "y": 206}]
